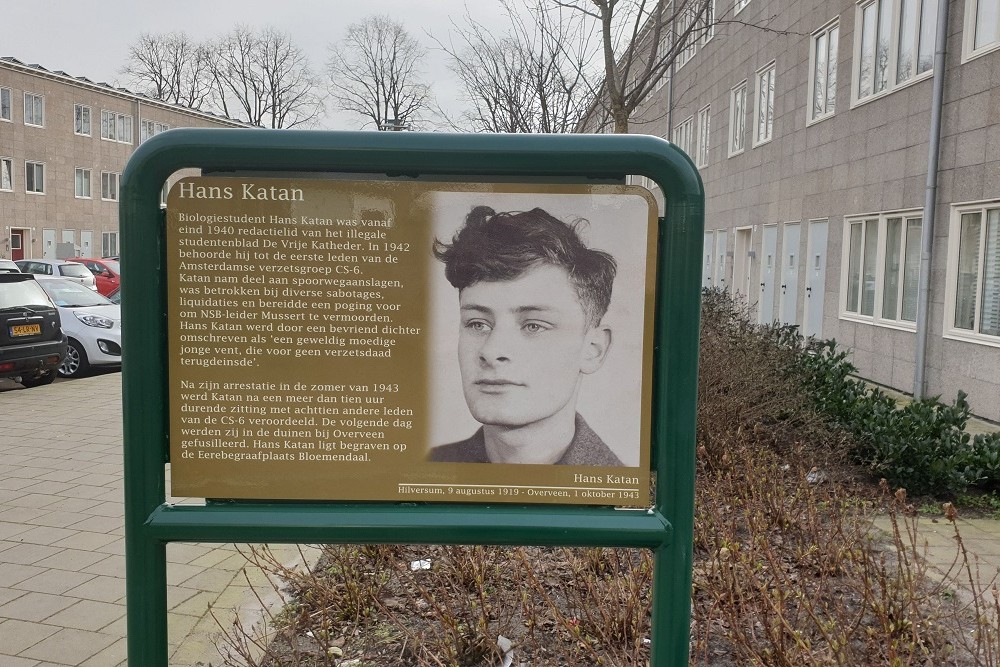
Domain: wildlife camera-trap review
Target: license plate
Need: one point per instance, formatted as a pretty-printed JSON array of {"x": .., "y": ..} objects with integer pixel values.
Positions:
[{"x": 25, "y": 330}]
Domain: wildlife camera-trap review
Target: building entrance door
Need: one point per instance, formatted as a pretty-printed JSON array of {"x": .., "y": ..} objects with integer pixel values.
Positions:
[
  {"x": 769, "y": 249},
  {"x": 788, "y": 305},
  {"x": 815, "y": 279},
  {"x": 17, "y": 244}
]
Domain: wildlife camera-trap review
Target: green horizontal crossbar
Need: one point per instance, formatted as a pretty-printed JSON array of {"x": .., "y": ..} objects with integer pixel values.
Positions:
[{"x": 359, "y": 523}]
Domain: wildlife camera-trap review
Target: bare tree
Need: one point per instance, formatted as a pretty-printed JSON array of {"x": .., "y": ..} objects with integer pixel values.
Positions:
[
  {"x": 374, "y": 72},
  {"x": 261, "y": 77},
  {"x": 532, "y": 78},
  {"x": 170, "y": 67}
]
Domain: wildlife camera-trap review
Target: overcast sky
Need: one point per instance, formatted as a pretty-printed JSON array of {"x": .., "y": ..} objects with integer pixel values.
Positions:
[{"x": 92, "y": 40}]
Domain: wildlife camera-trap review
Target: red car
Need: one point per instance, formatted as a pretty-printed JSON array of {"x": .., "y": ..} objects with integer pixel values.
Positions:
[{"x": 107, "y": 273}]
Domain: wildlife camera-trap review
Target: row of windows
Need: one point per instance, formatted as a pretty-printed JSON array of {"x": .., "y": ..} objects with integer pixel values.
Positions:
[
  {"x": 34, "y": 180},
  {"x": 881, "y": 267},
  {"x": 895, "y": 47},
  {"x": 114, "y": 126}
]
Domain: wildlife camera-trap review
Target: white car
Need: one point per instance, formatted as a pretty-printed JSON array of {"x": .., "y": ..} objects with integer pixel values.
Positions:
[
  {"x": 59, "y": 268},
  {"x": 92, "y": 324}
]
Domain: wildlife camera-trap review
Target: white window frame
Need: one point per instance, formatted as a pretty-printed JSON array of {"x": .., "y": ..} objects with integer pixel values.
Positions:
[
  {"x": 109, "y": 244},
  {"x": 738, "y": 6},
  {"x": 684, "y": 135},
  {"x": 40, "y": 99},
  {"x": 832, "y": 40},
  {"x": 9, "y": 162},
  {"x": 707, "y": 23},
  {"x": 895, "y": 8},
  {"x": 110, "y": 180},
  {"x": 114, "y": 125},
  {"x": 770, "y": 71},
  {"x": 9, "y": 94},
  {"x": 969, "y": 50},
  {"x": 738, "y": 120},
  {"x": 704, "y": 136},
  {"x": 35, "y": 165},
  {"x": 82, "y": 116},
  {"x": 690, "y": 42},
  {"x": 881, "y": 222},
  {"x": 951, "y": 286},
  {"x": 82, "y": 183}
]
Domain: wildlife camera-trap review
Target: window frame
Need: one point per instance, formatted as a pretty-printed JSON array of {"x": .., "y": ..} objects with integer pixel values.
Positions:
[
  {"x": 969, "y": 50},
  {"x": 950, "y": 330},
  {"x": 115, "y": 122},
  {"x": 78, "y": 112},
  {"x": 109, "y": 244},
  {"x": 683, "y": 135},
  {"x": 881, "y": 222},
  {"x": 10, "y": 104},
  {"x": 739, "y": 6},
  {"x": 773, "y": 69},
  {"x": 34, "y": 179},
  {"x": 732, "y": 151},
  {"x": 89, "y": 183},
  {"x": 826, "y": 30},
  {"x": 41, "y": 100},
  {"x": 892, "y": 64},
  {"x": 703, "y": 137},
  {"x": 10, "y": 173},
  {"x": 106, "y": 181}
]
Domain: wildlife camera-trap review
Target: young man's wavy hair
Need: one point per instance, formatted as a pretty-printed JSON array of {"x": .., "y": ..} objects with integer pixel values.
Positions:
[{"x": 494, "y": 247}]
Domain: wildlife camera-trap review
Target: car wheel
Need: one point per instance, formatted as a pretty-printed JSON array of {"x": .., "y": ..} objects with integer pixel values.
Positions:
[
  {"x": 75, "y": 363},
  {"x": 38, "y": 380}
]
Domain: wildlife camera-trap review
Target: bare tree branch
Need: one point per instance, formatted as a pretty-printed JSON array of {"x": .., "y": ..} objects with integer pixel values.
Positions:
[
  {"x": 169, "y": 67},
  {"x": 261, "y": 77},
  {"x": 375, "y": 73}
]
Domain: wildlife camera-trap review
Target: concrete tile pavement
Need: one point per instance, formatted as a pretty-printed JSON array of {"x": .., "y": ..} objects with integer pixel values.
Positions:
[{"x": 62, "y": 551}]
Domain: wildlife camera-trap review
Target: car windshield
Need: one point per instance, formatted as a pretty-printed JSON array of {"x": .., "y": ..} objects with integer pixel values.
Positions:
[
  {"x": 22, "y": 293},
  {"x": 74, "y": 270},
  {"x": 72, "y": 295},
  {"x": 114, "y": 266}
]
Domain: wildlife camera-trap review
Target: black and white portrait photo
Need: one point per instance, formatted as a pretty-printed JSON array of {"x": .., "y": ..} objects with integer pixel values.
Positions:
[{"x": 538, "y": 309}]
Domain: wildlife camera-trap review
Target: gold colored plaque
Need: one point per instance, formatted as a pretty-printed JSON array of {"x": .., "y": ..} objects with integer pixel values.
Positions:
[{"x": 410, "y": 341}]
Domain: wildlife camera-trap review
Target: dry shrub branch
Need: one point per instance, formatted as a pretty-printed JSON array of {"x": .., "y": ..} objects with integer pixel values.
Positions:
[{"x": 787, "y": 568}]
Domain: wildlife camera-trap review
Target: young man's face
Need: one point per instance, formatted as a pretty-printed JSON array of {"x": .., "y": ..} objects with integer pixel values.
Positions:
[{"x": 523, "y": 346}]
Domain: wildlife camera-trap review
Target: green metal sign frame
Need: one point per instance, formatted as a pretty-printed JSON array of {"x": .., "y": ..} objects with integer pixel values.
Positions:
[{"x": 150, "y": 523}]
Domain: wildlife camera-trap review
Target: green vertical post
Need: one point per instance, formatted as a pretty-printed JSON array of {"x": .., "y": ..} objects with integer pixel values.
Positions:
[{"x": 150, "y": 524}]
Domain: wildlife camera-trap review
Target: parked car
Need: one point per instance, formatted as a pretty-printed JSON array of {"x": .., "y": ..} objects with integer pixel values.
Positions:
[
  {"x": 59, "y": 268},
  {"x": 92, "y": 324},
  {"x": 8, "y": 266},
  {"x": 116, "y": 296},
  {"x": 32, "y": 344},
  {"x": 107, "y": 273}
]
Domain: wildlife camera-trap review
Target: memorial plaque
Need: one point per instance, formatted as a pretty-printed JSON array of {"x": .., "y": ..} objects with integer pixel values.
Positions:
[{"x": 410, "y": 341}]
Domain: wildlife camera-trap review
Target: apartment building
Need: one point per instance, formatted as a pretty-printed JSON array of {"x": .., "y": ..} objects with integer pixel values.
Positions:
[
  {"x": 64, "y": 142},
  {"x": 810, "y": 122}
]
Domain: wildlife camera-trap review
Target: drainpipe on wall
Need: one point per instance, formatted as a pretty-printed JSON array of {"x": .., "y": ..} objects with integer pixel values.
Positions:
[{"x": 930, "y": 202}]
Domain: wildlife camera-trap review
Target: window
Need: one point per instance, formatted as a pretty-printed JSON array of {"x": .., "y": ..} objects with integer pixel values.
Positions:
[
  {"x": 704, "y": 117},
  {"x": 81, "y": 119},
  {"x": 738, "y": 5},
  {"x": 116, "y": 127},
  {"x": 684, "y": 135},
  {"x": 823, "y": 72},
  {"x": 5, "y": 104},
  {"x": 882, "y": 268},
  {"x": 149, "y": 128},
  {"x": 706, "y": 24},
  {"x": 83, "y": 183},
  {"x": 109, "y": 244},
  {"x": 982, "y": 27},
  {"x": 764, "y": 106},
  {"x": 896, "y": 44},
  {"x": 973, "y": 294},
  {"x": 34, "y": 109},
  {"x": 737, "y": 118},
  {"x": 34, "y": 177},
  {"x": 687, "y": 33},
  {"x": 6, "y": 174},
  {"x": 109, "y": 185}
]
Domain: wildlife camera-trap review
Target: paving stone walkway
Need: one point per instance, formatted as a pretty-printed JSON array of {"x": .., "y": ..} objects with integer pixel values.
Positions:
[{"x": 62, "y": 551}]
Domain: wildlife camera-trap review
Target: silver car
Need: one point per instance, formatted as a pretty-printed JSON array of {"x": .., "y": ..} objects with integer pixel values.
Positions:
[{"x": 59, "y": 268}]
